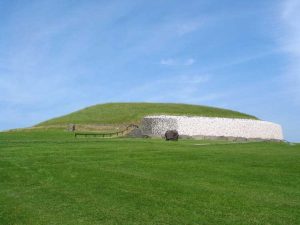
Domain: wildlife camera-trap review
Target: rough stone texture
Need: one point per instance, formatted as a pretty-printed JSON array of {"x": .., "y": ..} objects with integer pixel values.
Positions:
[
  {"x": 158, "y": 127},
  {"x": 213, "y": 127},
  {"x": 71, "y": 127},
  {"x": 171, "y": 135},
  {"x": 135, "y": 133}
]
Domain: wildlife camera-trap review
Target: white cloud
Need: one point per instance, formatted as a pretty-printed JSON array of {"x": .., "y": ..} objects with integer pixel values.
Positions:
[
  {"x": 167, "y": 62},
  {"x": 177, "y": 62},
  {"x": 189, "y": 62},
  {"x": 187, "y": 27}
]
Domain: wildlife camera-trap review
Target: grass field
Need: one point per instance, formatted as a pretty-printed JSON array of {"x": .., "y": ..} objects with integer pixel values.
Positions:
[
  {"x": 51, "y": 178},
  {"x": 126, "y": 113}
]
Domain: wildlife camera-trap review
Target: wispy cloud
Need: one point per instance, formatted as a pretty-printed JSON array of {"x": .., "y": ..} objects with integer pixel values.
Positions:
[
  {"x": 176, "y": 88},
  {"x": 290, "y": 43},
  {"x": 177, "y": 62},
  {"x": 188, "y": 27},
  {"x": 56, "y": 58}
]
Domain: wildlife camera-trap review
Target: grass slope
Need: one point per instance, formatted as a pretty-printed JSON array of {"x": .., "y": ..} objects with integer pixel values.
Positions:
[
  {"x": 125, "y": 113},
  {"x": 52, "y": 178}
]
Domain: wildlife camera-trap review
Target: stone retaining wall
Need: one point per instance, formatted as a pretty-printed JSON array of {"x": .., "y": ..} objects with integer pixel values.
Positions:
[{"x": 209, "y": 126}]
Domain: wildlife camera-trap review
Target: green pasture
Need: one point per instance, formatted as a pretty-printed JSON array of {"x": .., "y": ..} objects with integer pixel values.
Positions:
[{"x": 52, "y": 178}]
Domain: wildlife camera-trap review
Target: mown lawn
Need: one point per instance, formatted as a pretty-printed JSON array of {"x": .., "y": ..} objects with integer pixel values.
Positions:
[{"x": 51, "y": 178}]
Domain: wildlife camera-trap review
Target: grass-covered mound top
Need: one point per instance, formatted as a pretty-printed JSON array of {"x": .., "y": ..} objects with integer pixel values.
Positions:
[{"x": 125, "y": 113}]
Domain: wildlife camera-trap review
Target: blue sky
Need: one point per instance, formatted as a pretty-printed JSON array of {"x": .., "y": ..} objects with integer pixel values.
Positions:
[{"x": 57, "y": 56}]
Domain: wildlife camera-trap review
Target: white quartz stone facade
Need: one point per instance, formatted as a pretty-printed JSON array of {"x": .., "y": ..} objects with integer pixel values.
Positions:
[{"x": 209, "y": 126}]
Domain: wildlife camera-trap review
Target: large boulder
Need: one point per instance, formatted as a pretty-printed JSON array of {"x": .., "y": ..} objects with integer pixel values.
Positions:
[{"x": 171, "y": 135}]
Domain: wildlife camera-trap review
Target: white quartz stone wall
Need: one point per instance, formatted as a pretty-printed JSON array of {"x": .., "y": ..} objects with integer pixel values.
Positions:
[{"x": 208, "y": 126}]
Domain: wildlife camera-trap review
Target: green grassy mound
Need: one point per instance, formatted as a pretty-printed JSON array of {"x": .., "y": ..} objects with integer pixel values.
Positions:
[
  {"x": 125, "y": 113},
  {"x": 52, "y": 178}
]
